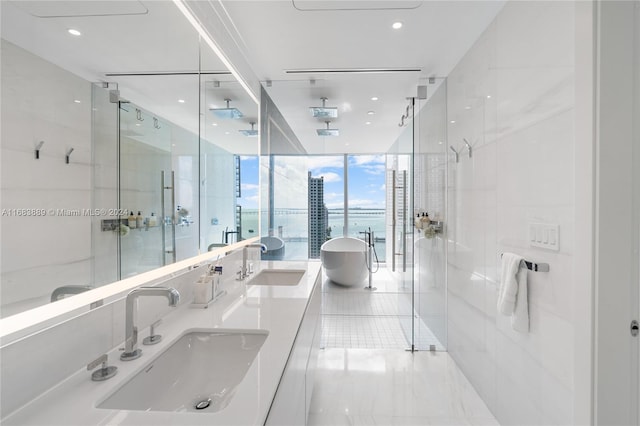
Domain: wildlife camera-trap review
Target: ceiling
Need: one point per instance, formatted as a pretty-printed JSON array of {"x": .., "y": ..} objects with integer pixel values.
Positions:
[
  {"x": 120, "y": 37},
  {"x": 279, "y": 35},
  {"x": 274, "y": 35}
]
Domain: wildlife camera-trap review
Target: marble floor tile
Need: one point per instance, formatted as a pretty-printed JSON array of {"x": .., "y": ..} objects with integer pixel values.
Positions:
[{"x": 393, "y": 387}]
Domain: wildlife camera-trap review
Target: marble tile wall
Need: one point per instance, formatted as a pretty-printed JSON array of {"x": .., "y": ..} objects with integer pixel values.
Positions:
[
  {"x": 512, "y": 98},
  {"x": 42, "y": 102}
]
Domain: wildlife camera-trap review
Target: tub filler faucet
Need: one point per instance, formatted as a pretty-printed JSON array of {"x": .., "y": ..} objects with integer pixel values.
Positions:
[{"x": 131, "y": 351}]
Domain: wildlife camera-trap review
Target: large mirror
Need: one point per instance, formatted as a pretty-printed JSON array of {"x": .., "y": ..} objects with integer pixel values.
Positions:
[{"x": 126, "y": 145}]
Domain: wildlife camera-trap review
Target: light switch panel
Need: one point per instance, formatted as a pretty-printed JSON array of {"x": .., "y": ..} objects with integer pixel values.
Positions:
[{"x": 544, "y": 235}]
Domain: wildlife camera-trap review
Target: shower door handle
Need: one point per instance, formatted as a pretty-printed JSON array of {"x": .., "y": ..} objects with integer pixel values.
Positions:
[
  {"x": 404, "y": 221},
  {"x": 172, "y": 219},
  {"x": 393, "y": 220}
]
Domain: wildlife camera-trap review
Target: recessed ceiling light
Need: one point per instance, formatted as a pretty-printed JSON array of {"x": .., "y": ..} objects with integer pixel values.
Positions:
[
  {"x": 374, "y": 98},
  {"x": 226, "y": 133},
  {"x": 396, "y": 25},
  {"x": 214, "y": 124},
  {"x": 488, "y": 96},
  {"x": 371, "y": 112},
  {"x": 367, "y": 122},
  {"x": 181, "y": 101},
  {"x": 76, "y": 101},
  {"x": 452, "y": 121},
  {"x": 74, "y": 32},
  {"x": 439, "y": 142},
  {"x": 138, "y": 124},
  {"x": 467, "y": 107}
]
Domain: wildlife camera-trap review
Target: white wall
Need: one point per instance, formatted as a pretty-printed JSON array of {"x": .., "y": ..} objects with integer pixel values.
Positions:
[
  {"x": 512, "y": 98},
  {"x": 45, "y": 252}
]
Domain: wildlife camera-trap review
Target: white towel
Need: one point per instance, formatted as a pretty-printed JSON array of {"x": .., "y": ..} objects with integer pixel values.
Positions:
[{"x": 512, "y": 296}]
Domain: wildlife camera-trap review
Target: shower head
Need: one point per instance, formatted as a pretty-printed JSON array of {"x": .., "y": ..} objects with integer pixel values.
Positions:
[
  {"x": 324, "y": 111},
  {"x": 250, "y": 132},
  {"x": 328, "y": 131},
  {"x": 226, "y": 113}
]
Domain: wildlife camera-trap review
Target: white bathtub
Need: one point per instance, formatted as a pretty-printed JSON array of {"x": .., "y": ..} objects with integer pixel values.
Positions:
[{"x": 344, "y": 260}]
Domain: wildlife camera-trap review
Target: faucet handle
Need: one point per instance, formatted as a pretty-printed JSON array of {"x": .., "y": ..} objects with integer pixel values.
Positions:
[
  {"x": 153, "y": 338},
  {"x": 105, "y": 372}
]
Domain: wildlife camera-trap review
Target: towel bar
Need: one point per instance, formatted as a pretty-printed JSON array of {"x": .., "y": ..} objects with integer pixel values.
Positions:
[{"x": 535, "y": 267}]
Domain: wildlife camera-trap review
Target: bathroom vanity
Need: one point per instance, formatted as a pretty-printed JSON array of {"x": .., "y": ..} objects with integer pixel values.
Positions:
[{"x": 247, "y": 359}]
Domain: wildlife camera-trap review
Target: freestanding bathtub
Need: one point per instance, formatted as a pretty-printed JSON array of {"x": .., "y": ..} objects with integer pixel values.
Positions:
[{"x": 344, "y": 260}]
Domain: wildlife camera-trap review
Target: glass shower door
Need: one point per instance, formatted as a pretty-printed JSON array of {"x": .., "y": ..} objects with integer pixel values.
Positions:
[{"x": 146, "y": 190}]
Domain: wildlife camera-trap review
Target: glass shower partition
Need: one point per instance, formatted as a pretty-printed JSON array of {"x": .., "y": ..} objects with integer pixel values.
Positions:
[
  {"x": 399, "y": 225},
  {"x": 146, "y": 185}
]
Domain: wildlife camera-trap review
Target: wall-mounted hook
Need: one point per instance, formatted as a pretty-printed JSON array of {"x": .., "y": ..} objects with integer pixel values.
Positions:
[
  {"x": 156, "y": 124},
  {"x": 139, "y": 115},
  {"x": 469, "y": 148},
  {"x": 456, "y": 153},
  {"x": 38, "y": 149},
  {"x": 68, "y": 155}
]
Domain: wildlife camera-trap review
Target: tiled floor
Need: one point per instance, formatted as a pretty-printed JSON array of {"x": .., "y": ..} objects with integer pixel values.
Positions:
[
  {"x": 393, "y": 387},
  {"x": 353, "y": 317}
]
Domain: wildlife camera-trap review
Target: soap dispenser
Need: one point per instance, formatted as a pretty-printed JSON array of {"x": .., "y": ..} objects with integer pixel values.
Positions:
[
  {"x": 139, "y": 220},
  {"x": 153, "y": 220},
  {"x": 132, "y": 221}
]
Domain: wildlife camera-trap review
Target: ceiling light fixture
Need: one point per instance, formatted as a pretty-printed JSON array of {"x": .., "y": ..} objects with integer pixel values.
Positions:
[
  {"x": 370, "y": 112},
  {"x": 328, "y": 131},
  {"x": 74, "y": 32},
  {"x": 396, "y": 25},
  {"x": 76, "y": 101},
  {"x": 367, "y": 122},
  {"x": 452, "y": 121},
  {"x": 214, "y": 124},
  {"x": 324, "y": 111},
  {"x": 374, "y": 98},
  {"x": 181, "y": 101},
  {"x": 350, "y": 70},
  {"x": 180, "y": 4}
]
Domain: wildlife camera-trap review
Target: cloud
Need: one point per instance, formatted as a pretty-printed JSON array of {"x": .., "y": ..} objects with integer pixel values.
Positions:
[
  {"x": 249, "y": 186},
  {"x": 248, "y": 157},
  {"x": 375, "y": 169},
  {"x": 329, "y": 177},
  {"x": 333, "y": 195},
  {"x": 317, "y": 163},
  {"x": 360, "y": 160}
]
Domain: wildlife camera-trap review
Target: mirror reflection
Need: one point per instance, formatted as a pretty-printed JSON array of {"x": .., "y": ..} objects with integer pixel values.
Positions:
[{"x": 117, "y": 156}]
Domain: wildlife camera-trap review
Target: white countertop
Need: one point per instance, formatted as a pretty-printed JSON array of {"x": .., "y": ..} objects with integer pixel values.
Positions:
[{"x": 277, "y": 309}]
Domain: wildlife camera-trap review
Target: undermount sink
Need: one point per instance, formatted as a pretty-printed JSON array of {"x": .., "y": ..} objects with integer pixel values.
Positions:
[
  {"x": 199, "y": 372},
  {"x": 278, "y": 277}
]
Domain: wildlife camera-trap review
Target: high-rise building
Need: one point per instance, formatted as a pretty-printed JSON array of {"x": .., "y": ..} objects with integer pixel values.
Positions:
[{"x": 318, "y": 216}]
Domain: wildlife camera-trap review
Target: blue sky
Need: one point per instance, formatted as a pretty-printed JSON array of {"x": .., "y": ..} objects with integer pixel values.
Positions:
[{"x": 366, "y": 180}]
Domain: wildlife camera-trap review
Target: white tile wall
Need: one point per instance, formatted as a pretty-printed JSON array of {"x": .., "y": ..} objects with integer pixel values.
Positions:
[
  {"x": 517, "y": 85},
  {"x": 42, "y": 253}
]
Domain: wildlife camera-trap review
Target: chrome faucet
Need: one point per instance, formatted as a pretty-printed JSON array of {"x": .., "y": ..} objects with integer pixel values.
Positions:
[
  {"x": 244, "y": 273},
  {"x": 131, "y": 352}
]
